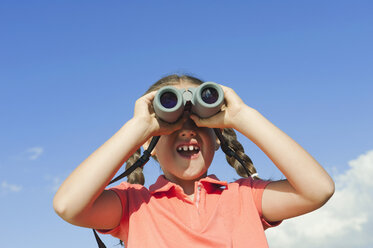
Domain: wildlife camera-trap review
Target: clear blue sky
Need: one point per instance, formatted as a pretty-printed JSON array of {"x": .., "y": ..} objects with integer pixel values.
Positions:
[{"x": 70, "y": 72}]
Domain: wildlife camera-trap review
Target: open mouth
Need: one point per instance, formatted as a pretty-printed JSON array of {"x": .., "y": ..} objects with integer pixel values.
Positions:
[{"x": 188, "y": 150}]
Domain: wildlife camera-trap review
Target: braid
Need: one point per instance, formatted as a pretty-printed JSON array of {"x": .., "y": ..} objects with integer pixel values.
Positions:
[
  {"x": 137, "y": 176},
  {"x": 232, "y": 142}
]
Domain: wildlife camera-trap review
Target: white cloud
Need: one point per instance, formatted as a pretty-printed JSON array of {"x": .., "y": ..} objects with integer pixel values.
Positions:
[
  {"x": 346, "y": 221},
  {"x": 6, "y": 187},
  {"x": 34, "y": 153},
  {"x": 31, "y": 153}
]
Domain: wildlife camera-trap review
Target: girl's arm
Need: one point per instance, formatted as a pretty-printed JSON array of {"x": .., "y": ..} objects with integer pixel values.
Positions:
[
  {"x": 308, "y": 185},
  {"x": 81, "y": 199}
]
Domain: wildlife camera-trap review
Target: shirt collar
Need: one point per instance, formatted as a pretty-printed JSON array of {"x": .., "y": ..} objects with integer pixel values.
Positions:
[{"x": 164, "y": 185}]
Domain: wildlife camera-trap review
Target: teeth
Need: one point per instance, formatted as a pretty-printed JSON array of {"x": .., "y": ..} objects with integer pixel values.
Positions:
[{"x": 186, "y": 148}]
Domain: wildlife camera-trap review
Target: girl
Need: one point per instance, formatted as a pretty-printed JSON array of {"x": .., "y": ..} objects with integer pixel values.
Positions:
[{"x": 186, "y": 207}]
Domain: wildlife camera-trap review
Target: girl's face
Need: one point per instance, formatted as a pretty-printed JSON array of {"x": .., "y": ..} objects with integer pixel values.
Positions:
[{"x": 186, "y": 154}]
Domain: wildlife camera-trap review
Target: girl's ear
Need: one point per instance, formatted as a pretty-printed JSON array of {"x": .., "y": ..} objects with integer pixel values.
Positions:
[{"x": 146, "y": 145}]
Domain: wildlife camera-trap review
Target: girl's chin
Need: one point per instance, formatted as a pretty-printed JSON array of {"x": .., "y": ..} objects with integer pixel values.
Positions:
[
  {"x": 194, "y": 172},
  {"x": 192, "y": 176}
]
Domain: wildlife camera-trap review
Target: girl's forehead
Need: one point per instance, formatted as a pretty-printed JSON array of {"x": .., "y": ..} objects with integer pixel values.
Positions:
[{"x": 184, "y": 85}]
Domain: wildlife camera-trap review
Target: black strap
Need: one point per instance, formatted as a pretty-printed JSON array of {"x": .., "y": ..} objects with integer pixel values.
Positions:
[
  {"x": 99, "y": 241},
  {"x": 139, "y": 163}
]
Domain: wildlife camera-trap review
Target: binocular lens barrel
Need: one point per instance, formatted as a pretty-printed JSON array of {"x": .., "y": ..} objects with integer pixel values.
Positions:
[
  {"x": 168, "y": 100},
  {"x": 209, "y": 95}
]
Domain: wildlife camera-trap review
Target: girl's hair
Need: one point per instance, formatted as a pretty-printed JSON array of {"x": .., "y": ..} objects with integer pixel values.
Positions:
[{"x": 229, "y": 134}]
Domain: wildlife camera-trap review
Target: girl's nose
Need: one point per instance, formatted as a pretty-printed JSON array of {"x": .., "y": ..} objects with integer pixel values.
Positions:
[
  {"x": 188, "y": 129},
  {"x": 187, "y": 133}
]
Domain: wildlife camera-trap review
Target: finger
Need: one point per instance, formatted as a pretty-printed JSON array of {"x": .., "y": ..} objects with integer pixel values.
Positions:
[
  {"x": 179, "y": 124},
  {"x": 227, "y": 94},
  {"x": 168, "y": 128},
  {"x": 145, "y": 103},
  {"x": 215, "y": 121},
  {"x": 149, "y": 96},
  {"x": 231, "y": 97},
  {"x": 225, "y": 88}
]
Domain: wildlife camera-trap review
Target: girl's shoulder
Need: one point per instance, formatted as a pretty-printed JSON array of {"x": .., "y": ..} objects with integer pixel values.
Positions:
[
  {"x": 248, "y": 182},
  {"x": 127, "y": 185},
  {"x": 131, "y": 194},
  {"x": 130, "y": 190}
]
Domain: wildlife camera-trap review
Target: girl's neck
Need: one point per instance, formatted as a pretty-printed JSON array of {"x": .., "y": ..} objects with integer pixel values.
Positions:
[{"x": 188, "y": 186}]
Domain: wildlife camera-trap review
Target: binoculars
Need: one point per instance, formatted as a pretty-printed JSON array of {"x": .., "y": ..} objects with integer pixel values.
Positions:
[{"x": 205, "y": 100}]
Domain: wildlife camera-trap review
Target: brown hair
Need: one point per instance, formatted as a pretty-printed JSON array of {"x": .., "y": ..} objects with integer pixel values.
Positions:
[{"x": 229, "y": 134}]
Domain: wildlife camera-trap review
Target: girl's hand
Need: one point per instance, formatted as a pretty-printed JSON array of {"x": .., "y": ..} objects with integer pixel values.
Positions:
[
  {"x": 229, "y": 115},
  {"x": 144, "y": 113}
]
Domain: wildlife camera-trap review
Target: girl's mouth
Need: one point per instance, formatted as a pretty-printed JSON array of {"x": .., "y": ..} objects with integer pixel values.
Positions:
[{"x": 189, "y": 151}]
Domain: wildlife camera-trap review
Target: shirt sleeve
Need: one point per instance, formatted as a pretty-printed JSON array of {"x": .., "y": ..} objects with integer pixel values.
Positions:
[
  {"x": 121, "y": 191},
  {"x": 257, "y": 188}
]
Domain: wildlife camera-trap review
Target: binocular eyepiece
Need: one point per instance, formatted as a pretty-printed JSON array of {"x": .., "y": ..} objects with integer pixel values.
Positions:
[{"x": 206, "y": 100}]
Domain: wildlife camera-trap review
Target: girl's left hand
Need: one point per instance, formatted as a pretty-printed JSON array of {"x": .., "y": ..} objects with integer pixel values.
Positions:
[{"x": 229, "y": 114}]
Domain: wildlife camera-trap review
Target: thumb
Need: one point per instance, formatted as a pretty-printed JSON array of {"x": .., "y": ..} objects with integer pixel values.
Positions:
[{"x": 215, "y": 121}]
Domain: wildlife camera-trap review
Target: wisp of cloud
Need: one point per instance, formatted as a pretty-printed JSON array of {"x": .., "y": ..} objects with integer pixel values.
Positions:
[{"x": 346, "y": 221}]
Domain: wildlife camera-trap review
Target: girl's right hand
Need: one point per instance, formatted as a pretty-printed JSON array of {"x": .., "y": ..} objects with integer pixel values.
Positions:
[{"x": 144, "y": 112}]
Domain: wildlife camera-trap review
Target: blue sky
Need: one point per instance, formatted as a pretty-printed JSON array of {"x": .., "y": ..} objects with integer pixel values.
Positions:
[{"x": 70, "y": 72}]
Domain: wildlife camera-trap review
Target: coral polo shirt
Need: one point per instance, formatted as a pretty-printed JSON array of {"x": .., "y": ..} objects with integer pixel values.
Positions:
[{"x": 221, "y": 214}]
